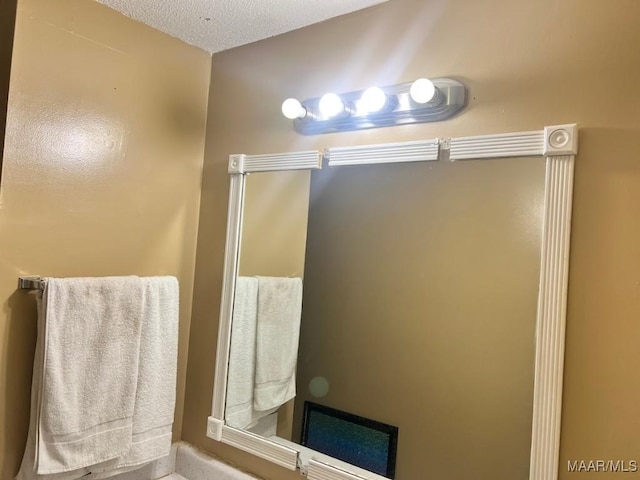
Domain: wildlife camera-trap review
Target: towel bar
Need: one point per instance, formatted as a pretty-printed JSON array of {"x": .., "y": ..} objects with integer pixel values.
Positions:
[{"x": 30, "y": 283}]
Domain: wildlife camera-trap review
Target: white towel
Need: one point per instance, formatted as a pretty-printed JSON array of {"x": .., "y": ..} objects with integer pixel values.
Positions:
[
  {"x": 267, "y": 426},
  {"x": 278, "y": 332},
  {"x": 239, "y": 411},
  {"x": 104, "y": 376},
  {"x": 156, "y": 392}
]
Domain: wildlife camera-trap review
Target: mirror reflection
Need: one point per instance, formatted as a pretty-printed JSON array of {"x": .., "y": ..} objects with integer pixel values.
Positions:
[
  {"x": 419, "y": 304},
  {"x": 263, "y": 352}
]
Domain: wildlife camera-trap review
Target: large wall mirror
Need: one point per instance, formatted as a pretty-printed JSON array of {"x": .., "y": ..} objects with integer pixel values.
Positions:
[{"x": 398, "y": 286}]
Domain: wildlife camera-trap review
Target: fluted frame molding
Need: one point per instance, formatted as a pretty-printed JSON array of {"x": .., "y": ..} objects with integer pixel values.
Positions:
[{"x": 558, "y": 144}]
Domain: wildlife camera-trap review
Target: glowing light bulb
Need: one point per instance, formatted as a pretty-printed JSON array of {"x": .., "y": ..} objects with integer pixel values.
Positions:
[
  {"x": 373, "y": 99},
  {"x": 331, "y": 105},
  {"x": 422, "y": 90},
  {"x": 292, "y": 109}
]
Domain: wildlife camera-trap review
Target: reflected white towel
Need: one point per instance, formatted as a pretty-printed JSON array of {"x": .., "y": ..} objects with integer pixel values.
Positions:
[
  {"x": 103, "y": 388},
  {"x": 277, "y": 335},
  {"x": 239, "y": 411}
]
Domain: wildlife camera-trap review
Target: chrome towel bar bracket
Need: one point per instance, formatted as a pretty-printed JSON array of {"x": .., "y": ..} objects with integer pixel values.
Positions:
[{"x": 30, "y": 283}]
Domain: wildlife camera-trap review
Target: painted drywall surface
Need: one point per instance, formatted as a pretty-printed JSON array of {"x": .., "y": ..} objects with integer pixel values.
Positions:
[
  {"x": 527, "y": 64},
  {"x": 7, "y": 25},
  {"x": 274, "y": 224},
  {"x": 102, "y": 172}
]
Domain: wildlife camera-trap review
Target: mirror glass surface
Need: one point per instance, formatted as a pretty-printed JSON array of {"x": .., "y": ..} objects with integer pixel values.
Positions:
[{"x": 419, "y": 302}]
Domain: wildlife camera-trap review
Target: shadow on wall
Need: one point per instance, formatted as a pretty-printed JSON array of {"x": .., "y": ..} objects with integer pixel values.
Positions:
[
  {"x": 7, "y": 26},
  {"x": 21, "y": 313}
]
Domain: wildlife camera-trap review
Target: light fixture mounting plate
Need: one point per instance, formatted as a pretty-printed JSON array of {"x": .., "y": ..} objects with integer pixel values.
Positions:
[{"x": 450, "y": 98}]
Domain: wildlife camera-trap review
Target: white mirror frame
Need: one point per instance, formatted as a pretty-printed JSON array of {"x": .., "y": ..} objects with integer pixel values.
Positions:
[{"x": 559, "y": 145}]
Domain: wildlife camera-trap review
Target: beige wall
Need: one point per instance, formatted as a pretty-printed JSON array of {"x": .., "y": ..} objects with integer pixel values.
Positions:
[
  {"x": 527, "y": 64},
  {"x": 274, "y": 224},
  {"x": 102, "y": 171},
  {"x": 7, "y": 25}
]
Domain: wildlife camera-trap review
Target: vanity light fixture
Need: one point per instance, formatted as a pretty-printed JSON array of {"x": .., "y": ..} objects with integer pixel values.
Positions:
[
  {"x": 422, "y": 91},
  {"x": 292, "y": 109},
  {"x": 424, "y": 100},
  {"x": 373, "y": 100},
  {"x": 330, "y": 106}
]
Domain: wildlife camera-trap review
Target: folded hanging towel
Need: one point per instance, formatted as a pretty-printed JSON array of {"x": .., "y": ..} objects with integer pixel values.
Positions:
[
  {"x": 239, "y": 409},
  {"x": 103, "y": 390},
  {"x": 239, "y": 412},
  {"x": 277, "y": 335},
  {"x": 156, "y": 390},
  {"x": 90, "y": 371},
  {"x": 266, "y": 426}
]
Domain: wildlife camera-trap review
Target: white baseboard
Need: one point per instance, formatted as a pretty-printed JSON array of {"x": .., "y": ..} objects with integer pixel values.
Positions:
[
  {"x": 157, "y": 469},
  {"x": 185, "y": 463},
  {"x": 195, "y": 465}
]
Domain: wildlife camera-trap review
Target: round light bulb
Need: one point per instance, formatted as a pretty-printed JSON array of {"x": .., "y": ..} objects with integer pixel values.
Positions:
[
  {"x": 422, "y": 90},
  {"x": 292, "y": 109},
  {"x": 331, "y": 105},
  {"x": 373, "y": 99}
]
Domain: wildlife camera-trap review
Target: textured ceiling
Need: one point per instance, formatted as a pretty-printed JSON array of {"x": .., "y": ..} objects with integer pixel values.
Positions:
[{"x": 216, "y": 25}]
